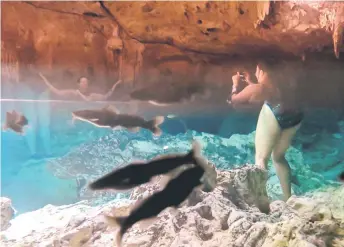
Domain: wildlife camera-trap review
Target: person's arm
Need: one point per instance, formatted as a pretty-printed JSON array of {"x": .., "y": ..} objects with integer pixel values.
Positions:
[
  {"x": 251, "y": 97},
  {"x": 98, "y": 97},
  {"x": 243, "y": 97},
  {"x": 236, "y": 82},
  {"x": 68, "y": 92},
  {"x": 236, "y": 91}
]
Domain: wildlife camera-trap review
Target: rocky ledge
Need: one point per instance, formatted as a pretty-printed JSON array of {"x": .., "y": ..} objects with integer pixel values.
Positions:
[
  {"x": 231, "y": 215},
  {"x": 6, "y": 211}
]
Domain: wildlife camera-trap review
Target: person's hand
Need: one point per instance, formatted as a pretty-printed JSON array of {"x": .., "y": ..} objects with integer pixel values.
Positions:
[
  {"x": 247, "y": 77},
  {"x": 236, "y": 79}
]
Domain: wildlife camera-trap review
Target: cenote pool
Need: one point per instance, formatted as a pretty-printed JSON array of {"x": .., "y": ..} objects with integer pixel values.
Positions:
[{"x": 53, "y": 162}]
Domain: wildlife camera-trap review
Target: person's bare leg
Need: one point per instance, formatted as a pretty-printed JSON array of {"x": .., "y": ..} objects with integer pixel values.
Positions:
[
  {"x": 267, "y": 134},
  {"x": 281, "y": 164}
]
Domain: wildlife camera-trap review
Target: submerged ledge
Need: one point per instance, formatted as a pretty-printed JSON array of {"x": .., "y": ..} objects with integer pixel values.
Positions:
[{"x": 227, "y": 216}]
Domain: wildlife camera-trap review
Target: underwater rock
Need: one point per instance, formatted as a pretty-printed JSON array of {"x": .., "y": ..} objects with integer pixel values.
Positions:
[
  {"x": 69, "y": 225},
  {"x": 247, "y": 184},
  {"x": 221, "y": 218},
  {"x": 94, "y": 158},
  {"x": 7, "y": 212}
]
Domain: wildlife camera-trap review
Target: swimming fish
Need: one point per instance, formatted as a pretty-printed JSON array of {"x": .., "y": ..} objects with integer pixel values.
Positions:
[
  {"x": 15, "y": 121},
  {"x": 139, "y": 173},
  {"x": 175, "y": 192},
  {"x": 109, "y": 117}
]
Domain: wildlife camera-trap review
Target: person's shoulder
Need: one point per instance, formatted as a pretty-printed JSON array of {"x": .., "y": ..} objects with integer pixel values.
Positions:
[
  {"x": 255, "y": 87},
  {"x": 265, "y": 88},
  {"x": 259, "y": 92}
]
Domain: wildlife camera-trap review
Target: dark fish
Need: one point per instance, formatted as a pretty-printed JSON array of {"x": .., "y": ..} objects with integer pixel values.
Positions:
[
  {"x": 109, "y": 117},
  {"x": 175, "y": 192},
  {"x": 341, "y": 177},
  {"x": 15, "y": 121},
  {"x": 136, "y": 174}
]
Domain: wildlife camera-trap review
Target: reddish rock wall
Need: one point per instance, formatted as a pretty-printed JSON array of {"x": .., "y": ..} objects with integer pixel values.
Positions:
[{"x": 161, "y": 43}]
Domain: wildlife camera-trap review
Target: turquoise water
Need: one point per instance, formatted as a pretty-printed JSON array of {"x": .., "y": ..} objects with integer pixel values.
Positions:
[
  {"x": 44, "y": 166},
  {"x": 27, "y": 174}
]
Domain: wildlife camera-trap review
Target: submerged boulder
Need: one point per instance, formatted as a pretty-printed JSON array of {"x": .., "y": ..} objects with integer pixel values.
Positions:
[{"x": 7, "y": 212}]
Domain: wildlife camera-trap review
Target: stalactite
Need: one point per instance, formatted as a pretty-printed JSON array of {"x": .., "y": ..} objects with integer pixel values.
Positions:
[
  {"x": 263, "y": 9},
  {"x": 139, "y": 61},
  {"x": 338, "y": 31},
  {"x": 115, "y": 45},
  {"x": 9, "y": 64}
]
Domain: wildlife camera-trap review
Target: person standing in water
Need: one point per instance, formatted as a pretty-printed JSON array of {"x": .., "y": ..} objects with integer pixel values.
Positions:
[
  {"x": 82, "y": 92},
  {"x": 279, "y": 119}
]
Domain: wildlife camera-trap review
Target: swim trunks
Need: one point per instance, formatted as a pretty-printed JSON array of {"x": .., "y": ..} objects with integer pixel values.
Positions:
[{"x": 285, "y": 119}]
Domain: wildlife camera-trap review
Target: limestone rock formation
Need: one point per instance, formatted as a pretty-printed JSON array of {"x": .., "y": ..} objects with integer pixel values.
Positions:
[
  {"x": 7, "y": 212},
  {"x": 94, "y": 158},
  {"x": 163, "y": 45},
  {"x": 225, "y": 217}
]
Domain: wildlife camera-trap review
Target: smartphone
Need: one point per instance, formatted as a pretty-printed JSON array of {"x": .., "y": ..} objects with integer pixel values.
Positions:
[{"x": 242, "y": 76}]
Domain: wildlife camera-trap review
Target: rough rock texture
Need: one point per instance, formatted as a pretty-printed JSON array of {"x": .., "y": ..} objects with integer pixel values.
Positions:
[
  {"x": 7, "y": 212},
  {"x": 225, "y": 217},
  {"x": 200, "y": 43},
  {"x": 94, "y": 158}
]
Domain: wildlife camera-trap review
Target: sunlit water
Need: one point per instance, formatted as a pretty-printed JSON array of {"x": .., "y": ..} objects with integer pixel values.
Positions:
[
  {"x": 41, "y": 167},
  {"x": 26, "y": 177}
]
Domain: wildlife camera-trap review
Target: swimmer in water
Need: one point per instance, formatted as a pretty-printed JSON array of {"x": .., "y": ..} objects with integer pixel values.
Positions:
[{"x": 83, "y": 90}]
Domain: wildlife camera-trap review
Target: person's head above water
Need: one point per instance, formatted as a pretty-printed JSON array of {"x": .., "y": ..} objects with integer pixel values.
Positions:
[
  {"x": 83, "y": 84},
  {"x": 265, "y": 69}
]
